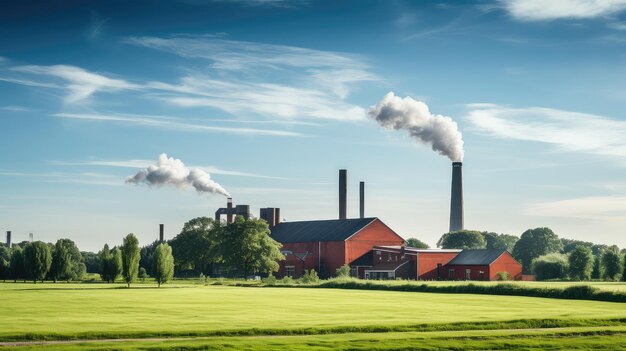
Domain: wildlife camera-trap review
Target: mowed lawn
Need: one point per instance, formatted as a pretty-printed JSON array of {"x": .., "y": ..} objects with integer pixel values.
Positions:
[{"x": 58, "y": 310}]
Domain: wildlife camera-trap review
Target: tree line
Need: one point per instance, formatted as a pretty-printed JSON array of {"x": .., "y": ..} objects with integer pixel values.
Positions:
[{"x": 542, "y": 253}]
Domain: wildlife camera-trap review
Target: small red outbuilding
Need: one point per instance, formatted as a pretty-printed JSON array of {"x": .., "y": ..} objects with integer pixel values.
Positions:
[{"x": 484, "y": 264}]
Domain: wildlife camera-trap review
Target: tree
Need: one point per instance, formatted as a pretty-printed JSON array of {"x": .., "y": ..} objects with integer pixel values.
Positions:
[
  {"x": 195, "y": 247},
  {"x": 130, "y": 258},
  {"x": 246, "y": 247},
  {"x": 500, "y": 241},
  {"x": 416, "y": 243},
  {"x": 117, "y": 267},
  {"x": 581, "y": 263},
  {"x": 5, "y": 263},
  {"x": 146, "y": 254},
  {"x": 597, "y": 273},
  {"x": 17, "y": 264},
  {"x": 37, "y": 260},
  {"x": 612, "y": 264},
  {"x": 624, "y": 273},
  {"x": 550, "y": 266},
  {"x": 462, "y": 239},
  {"x": 534, "y": 243},
  {"x": 110, "y": 267},
  {"x": 163, "y": 264},
  {"x": 92, "y": 261},
  {"x": 67, "y": 261}
]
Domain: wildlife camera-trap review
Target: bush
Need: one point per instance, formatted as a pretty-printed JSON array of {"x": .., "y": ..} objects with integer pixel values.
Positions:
[
  {"x": 309, "y": 277},
  {"x": 343, "y": 271},
  {"x": 143, "y": 274},
  {"x": 550, "y": 266},
  {"x": 503, "y": 276},
  {"x": 286, "y": 281},
  {"x": 270, "y": 280}
]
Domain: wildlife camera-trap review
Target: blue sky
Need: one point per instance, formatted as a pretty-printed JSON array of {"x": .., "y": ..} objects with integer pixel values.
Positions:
[{"x": 271, "y": 98}]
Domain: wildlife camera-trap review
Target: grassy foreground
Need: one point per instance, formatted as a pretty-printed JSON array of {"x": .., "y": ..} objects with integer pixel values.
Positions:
[{"x": 192, "y": 316}]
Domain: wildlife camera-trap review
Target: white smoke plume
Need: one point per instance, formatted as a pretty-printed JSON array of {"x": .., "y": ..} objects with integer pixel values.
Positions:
[
  {"x": 171, "y": 171},
  {"x": 441, "y": 133}
]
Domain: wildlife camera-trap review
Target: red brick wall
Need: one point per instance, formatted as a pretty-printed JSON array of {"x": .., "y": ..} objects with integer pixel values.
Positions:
[
  {"x": 427, "y": 264},
  {"x": 506, "y": 263},
  {"x": 332, "y": 255},
  {"x": 376, "y": 233},
  {"x": 459, "y": 272}
]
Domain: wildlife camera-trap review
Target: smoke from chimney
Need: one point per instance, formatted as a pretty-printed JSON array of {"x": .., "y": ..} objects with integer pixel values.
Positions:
[
  {"x": 439, "y": 132},
  {"x": 171, "y": 171},
  {"x": 456, "y": 198}
]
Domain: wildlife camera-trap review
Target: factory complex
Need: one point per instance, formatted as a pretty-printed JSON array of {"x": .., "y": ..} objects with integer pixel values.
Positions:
[{"x": 372, "y": 249}]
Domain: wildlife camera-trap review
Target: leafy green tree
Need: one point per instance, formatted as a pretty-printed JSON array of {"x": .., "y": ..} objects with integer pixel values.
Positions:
[
  {"x": 5, "y": 263},
  {"x": 143, "y": 274},
  {"x": 195, "y": 248},
  {"x": 534, "y": 243},
  {"x": 146, "y": 255},
  {"x": 163, "y": 264},
  {"x": 105, "y": 261},
  {"x": 624, "y": 272},
  {"x": 612, "y": 264},
  {"x": 550, "y": 266},
  {"x": 344, "y": 271},
  {"x": 581, "y": 263},
  {"x": 67, "y": 261},
  {"x": 570, "y": 245},
  {"x": 37, "y": 260},
  {"x": 596, "y": 273},
  {"x": 117, "y": 267},
  {"x": 500, "y": 241},
  {"x": 462, "y": 239},
  {"x": 416, "y": 243},
  {"x": 130, "y": 258},
  {"x": 17, "y": 263},
  {"x": 92, "y": 261},
  {"x": 246, "y": 247}
]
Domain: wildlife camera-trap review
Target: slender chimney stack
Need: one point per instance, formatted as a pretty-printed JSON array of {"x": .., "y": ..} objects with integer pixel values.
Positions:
[
  {"x": 161, "y": 232},
  {"x": 9, "y": 238},
  {"x": 229, "y": 213},
  {"x": 456, "y": 199},
  {"x": 362, "y": 199},
  {"x": 343, "y": 193}
]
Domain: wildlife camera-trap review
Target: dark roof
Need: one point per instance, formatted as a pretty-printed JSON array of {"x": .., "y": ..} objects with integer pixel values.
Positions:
[
  {"x": 476, "y": 257},
  {"x": 325, "y": 230},
  {"x": 367, "y": 260}
]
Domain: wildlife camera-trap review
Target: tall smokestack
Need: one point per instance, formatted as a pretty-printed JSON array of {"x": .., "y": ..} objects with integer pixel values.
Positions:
[
  {"x": 343, "y": 193},
  {"x": 9, "y": 238},
  {"x": 362, "y": 199},
  {"x": 456, "y": 199},
  {"x": 161, "y": 232},
  {"x": 229, "y": 213}
]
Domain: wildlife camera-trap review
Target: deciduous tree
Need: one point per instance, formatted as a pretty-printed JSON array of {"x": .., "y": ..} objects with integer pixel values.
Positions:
[
  {"x": 37, "y": 260},
  {"x": 534, "y": 243},
  {"x": 581, "y": 263},
  {"x": 17, "y": 263},
  {"x": 5, "y": 263},
  {"x": 462, "y": 239},
  {"x": 67, "y": 261},
  {"x": 550, "y": 266},
  {"x": 612, "y": 264},
  {"x": 130, "y": 258},
  {"x": 416, "y": 243},
  {"x": 163, "y": 264}
]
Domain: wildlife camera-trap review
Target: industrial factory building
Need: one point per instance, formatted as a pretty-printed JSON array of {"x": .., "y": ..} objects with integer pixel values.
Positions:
[{"x": 372, "y": 249}]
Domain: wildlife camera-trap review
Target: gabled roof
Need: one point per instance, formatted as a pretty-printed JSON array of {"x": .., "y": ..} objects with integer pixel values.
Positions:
[
  {"x": 480, "y": 257},
  {"x": 324, "y": 230}
]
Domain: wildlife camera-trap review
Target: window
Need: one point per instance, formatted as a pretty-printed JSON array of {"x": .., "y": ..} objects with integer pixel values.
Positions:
[
  {"x": 451, "y": 274},
  {"x": 481, "y": 275},
  {"x": 290, "y": 271},
  {"x": 468, "y": 274},
  {"x": 354, "y": 271},
  {"x": 439, "y": 266}
]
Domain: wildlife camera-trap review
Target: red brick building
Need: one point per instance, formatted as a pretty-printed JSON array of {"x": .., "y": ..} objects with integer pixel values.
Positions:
[
  {"x": 326, "y": 245},
  {"x": 483, "y": 265}
]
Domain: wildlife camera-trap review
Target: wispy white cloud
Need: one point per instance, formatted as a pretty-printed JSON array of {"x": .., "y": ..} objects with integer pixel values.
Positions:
[
  {"x": 542, "y": 10},
  {"x": 16, "y": 108},
  {"x": 253, "y": 3},
  {"x": 79, "y": 83},
  {"x": 96, "y": 26},
  {"x": 77, "y": 178},
  {"x": 30, "y": 83},
  {"x": 594, "y": 207},
  {"x": 172, "y": 124},
  {"x": 567, "y": 131},
  {"x": 140, "y": 163}
]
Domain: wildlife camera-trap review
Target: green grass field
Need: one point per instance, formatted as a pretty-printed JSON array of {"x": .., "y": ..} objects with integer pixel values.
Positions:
[{"x": 264, "y": 318}]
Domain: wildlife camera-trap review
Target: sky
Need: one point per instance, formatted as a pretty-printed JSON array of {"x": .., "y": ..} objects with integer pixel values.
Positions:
[{"x": 266, "y": 99}]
